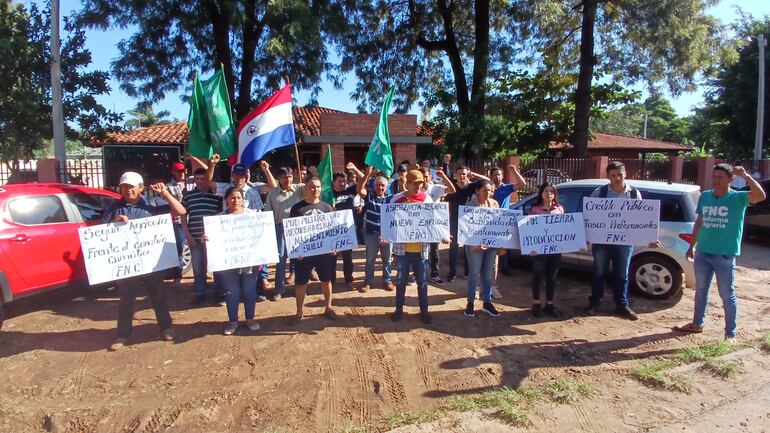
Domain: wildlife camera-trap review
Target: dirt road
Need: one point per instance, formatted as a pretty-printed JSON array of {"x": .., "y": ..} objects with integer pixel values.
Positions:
[{"x": 323, "y": 376}]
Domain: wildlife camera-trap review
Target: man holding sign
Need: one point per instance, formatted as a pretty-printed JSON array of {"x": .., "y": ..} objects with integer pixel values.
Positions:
[
  {"x": 618, "y": 256},
  {"x": 133, "y": 206},
  {"x": 412, "y": 256},
  {"x": 322, "y": 263}
]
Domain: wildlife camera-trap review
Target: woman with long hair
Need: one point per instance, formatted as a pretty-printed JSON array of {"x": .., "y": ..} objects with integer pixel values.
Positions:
[
  {"x": 545, "y": 266},
  {"x": 238, "y": 283},
  {"x": 482, "y": 258}
]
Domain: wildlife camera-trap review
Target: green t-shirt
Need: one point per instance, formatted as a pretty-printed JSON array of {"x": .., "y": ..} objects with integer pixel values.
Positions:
[{"x": 722, "y": 227}]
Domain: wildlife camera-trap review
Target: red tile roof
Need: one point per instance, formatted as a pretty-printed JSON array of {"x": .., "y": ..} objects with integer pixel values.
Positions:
[
  {"x": 307, "y": 122},
  {"x": 605, "y": 141}
]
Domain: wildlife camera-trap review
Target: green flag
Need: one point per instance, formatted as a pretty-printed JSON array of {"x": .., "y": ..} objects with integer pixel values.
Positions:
[
  {"x": 380, "y": 155},
  {"x": 211, "y": 118},
  {"x": 325, "y": 172}
]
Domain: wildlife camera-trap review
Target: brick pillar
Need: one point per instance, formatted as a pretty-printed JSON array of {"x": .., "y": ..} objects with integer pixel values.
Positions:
[
  {"x": 599, "y": 164},
  {"x": 338, "y": 157},
  {"x": 46, "y": 170},
  {"x": 764, "y": 167},
  {"x": 677, "y": 164},
  {"x": 705, "y": 169},
  {"x": 508, "y": 161},
  {"x": 404, "y": 151}
]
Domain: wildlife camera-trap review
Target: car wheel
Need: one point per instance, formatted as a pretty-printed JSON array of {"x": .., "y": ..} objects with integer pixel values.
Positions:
[
  {"x": 656, "y": 277},
  {"x": 186, "y": 259}
]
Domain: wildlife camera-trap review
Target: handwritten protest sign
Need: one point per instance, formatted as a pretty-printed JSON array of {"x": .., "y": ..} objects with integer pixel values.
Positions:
[
  {"x": 552, "y": 234},
  {"x": 239, "y": 241},
  {"x": 618, "y": 221},
  {"x": 493, "y": 227},
  {"x": 322, "y": 233},
  {"x": 120, "y": 250},
  {"x": 415, "y": 222}
]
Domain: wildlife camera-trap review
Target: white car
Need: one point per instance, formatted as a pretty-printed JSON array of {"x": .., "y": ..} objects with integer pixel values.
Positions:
[{"x": 655, "y": 272}]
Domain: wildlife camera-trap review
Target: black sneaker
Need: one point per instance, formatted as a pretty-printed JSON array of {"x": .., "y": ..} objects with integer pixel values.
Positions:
[
  {"x": 469, "y": 310},
  {"x": 450, "y": 278},
  {"x": 551, "y": 310},
  {"x": 490, "y": 309},
  {"x": 537, "y": 310},
  {"x": 396, "y": 316},
  {"x": 592, "y": 309},
  {"x": 425, "y": 317},
  {"x": 261, "y": 298},
  {"x": 626, "y": 312},
  {"x": 412, "y": 279},
  {"x": 222, "y": 301},
  {"x": 437, "y": 280}
]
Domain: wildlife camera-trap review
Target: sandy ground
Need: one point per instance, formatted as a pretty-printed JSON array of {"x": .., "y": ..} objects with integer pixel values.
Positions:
[{"x": 323, "y": 376}]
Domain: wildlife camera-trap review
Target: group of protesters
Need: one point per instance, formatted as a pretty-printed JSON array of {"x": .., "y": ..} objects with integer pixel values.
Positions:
[{"x": 365, "y": 192}]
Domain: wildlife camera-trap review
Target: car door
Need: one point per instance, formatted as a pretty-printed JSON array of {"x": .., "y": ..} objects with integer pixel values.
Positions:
[
  {"x": 89, "y": 207},
  {"x": 42, "y": 241}
]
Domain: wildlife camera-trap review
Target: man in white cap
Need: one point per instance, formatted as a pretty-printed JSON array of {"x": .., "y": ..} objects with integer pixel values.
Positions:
[{"x": 133, "y": 206}]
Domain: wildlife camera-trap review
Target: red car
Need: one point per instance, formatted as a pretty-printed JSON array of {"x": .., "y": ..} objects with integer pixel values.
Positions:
[{"x": 39, "y": 244}]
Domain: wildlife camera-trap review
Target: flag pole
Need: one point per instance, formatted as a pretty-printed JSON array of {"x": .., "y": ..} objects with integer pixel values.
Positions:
[{"x": 296, "y": 149}]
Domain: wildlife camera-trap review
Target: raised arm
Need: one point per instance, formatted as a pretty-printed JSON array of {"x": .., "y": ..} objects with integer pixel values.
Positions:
[
  {"x": 518, "y": 179},
  {"x": 361, "y": 187},
  {"x": 195, "y": 162},
  {"x": 450, "y": 186},
  {"x": 176, "y": 208},
  {"x": 351, "y": 166},
  {"x": 210, "y": 171},
  {"x": 271, "y": 183},
  {"x": 475, "y": 176},
  {"x": 756, "y": 193}
]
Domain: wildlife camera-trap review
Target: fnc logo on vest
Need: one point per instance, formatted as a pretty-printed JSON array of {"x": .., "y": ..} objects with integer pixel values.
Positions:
[{"x": 715, "y": 211}]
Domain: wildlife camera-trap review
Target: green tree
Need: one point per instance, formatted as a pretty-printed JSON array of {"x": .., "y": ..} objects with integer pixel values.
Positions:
[
  {"x": 258, "y": 43},
  {"x": 726, "y": 122},
  {"x": 662, "y": 121},
  {"x": 443, "y": 51},
  {"x": 658, "y": 42},
  {"x": 25, "y": 98},
  {"x": 144, "y": 115}
]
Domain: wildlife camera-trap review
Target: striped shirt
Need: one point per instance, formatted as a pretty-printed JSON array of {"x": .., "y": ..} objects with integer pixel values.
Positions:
[
  {"x": 372, "y": 209},
  {"x": 199, "y": 205}
]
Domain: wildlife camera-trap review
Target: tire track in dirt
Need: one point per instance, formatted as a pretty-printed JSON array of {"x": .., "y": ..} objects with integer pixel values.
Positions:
[
  {"x": 583, "y": 419},
  {"x": 377, "y": 346},
  {"x": 362, "y": 370},
  {"x": 424, "y": 369},
  {"x": 328, "y": 398}
]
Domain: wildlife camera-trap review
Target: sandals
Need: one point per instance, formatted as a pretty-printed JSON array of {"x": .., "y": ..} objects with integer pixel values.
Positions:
[{"x": 690, "y": 327}]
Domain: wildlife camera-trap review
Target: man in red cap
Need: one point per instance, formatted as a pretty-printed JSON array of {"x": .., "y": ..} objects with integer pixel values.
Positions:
[{"x": 178, "y": 186}]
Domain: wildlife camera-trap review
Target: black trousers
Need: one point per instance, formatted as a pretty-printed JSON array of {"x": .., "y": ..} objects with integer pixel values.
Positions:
[
  {"x": 129, "y": 289},
  {"x": 347, "y": 266}
]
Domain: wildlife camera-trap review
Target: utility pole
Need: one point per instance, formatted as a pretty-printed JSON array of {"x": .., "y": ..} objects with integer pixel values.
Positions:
[
  {"x": 60, "y": 151},
  {"x": 644, "y": 132},
  {"x": 761, "y": 41}
]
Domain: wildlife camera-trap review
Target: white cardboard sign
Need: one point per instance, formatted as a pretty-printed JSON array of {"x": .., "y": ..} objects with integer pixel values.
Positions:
[
  {"x": 492, "y": 227},
  {"x": 240, "y": 240},
  {"x": 322, "y": 233},
  {"x": 415, "y": 222},
  {"x": 115, "y": 251},
  {"x": 552, "y": 233},
  {"x": 618, "y": 221}
]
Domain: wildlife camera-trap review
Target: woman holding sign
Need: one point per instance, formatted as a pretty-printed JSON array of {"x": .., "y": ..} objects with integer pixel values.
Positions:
[
  {"x": 545, "y": 266},
  {"x": 482, "y": 259},
  {"x": 238, "y": 283}
]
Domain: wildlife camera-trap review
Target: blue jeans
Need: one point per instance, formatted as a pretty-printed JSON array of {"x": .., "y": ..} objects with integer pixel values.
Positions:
[
  {"x": 413, "y": 262},
  {"x": 373, "y": 246},
  {"x": 706, "y": 266},
  {"x": 481, "y": 263},
  {"x": 620, "y": 258},
  {"x": 280, "y": 268},
  {"x": 239, "y": 286}
]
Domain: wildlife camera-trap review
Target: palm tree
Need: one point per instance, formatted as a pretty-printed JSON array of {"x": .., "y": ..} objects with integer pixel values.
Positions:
[{"x": 144, "y": 115}]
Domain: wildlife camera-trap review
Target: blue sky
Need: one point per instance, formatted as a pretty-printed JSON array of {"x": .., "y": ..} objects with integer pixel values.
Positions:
[{"x": 102, "y": 45}]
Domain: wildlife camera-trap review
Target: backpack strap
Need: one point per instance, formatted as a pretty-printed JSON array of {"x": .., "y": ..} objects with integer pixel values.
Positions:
[{"x": 604, "y": 191}]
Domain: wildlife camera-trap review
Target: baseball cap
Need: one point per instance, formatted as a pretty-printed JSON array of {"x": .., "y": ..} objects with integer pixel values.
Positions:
[
  {"x": 131, "y": 178},
  {"x": 239, "y": 169},
  {"x": 414, "y": 176},
  {"x": 178, "y": 166}
]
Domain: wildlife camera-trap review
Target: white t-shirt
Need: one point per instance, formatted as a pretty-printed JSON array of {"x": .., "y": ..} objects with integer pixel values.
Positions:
[{"x": 435, "y": 191}]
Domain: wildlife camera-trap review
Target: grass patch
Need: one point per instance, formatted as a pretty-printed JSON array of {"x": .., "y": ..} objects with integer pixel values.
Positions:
[
  {"x": 279, "y": 430},
  {"x": 653, "y": 374},
  {"x": 723, "y": 369},
  {"x": 354, "y": 428},
  {"x": 764, "y": 342},
  {"x": 566, "y": 390},
  {"x": 400, "y": 418}
]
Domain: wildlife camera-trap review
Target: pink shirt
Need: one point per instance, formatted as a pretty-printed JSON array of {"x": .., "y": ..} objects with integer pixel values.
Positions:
[{"x": 540, "y": 210}]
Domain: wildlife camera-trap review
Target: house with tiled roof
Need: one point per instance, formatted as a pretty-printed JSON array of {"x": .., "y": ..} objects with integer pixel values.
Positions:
[
  {"x": 620, "y": 146},
  {"x": 348, "y": 134}
]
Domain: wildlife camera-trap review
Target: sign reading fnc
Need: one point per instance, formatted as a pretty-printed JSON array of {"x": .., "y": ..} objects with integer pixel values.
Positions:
[
  {"x": 492, "y": 227},
  {"x": 619, "y": 221},
  {"x": 415, "y": 222},
  {"x": 321, "y": 233},
  {"x": 121, "y": 250},
  {"x": 240, "y": 240}
]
